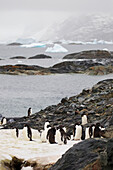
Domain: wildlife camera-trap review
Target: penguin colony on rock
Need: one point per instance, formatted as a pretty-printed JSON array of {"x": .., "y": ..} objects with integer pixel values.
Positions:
[
  {"x": 80, "y": 132},
  {"x": 57, "y": 135}
]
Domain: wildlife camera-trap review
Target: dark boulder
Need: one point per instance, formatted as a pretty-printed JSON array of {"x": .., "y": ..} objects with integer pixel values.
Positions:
[
  {"x": 40, "y": 56},
  {"x": 18, "y": 57},
  {"x": 84, "y": 155},
  {"x": 91, "y": 154}
]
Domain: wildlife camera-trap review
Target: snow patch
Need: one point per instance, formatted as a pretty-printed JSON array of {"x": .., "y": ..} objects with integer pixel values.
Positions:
[{"x": 43, "y": 153}]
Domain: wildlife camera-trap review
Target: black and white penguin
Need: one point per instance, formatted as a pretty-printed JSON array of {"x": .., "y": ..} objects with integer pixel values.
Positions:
[
  {"x": 78, "y": 132},
  {"x": 87, "y": 136},
  {"x": 3, "y": 121},
  {"x": 83, "y": 133},
  {"x": 29, "y": 111},
  {"x": 91, "y": 131},
  {"x": 45, "y": 131},
  {"x": 51, "y": 135},
  {"x": 27, "y": 133},
  {"x": 84, "y": 119},
  {"x": 97, "y": 131},
  {"x": 61, "y": 137},
  {"x": 0, "y": 118},
  {"x": 15, "y": 133},
  {"x": 58, "y": 137}
]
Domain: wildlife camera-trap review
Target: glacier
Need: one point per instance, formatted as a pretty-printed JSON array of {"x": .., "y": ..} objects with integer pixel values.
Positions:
[{"x": 82, "y": 28}]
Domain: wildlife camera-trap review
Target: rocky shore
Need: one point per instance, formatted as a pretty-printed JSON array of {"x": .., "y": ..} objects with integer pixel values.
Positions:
[
  {"x": 97, "y": 104},
  {"x": 100, "y": 67}
]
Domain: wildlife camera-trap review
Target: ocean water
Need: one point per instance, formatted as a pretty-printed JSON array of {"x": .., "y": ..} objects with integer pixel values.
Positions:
[{"x": 18, "y": 93}]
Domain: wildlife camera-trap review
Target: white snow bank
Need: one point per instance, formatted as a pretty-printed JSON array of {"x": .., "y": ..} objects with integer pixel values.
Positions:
[
  {"x": 56, "y": 49},
  {"x": 43, "y": 153},
  {"x": 33, "y": 45}
]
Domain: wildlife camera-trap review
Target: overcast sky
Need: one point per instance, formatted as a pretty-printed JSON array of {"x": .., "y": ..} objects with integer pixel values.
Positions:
[{"x": 22, "y": 18}]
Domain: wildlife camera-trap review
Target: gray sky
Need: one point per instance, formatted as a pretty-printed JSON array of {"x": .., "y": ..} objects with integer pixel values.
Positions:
[{"x": 22, "y": 18}]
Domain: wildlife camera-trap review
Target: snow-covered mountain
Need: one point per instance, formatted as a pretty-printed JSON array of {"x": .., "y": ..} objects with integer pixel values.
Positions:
[{"x": 82, "y": 28}]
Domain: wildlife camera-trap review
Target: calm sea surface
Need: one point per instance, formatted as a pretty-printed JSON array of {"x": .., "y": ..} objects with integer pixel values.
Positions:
[{"x": 18, "y": 93}]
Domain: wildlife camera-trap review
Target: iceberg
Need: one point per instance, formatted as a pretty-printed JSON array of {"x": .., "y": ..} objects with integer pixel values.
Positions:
[
  {"x": 56, "y": 49},
  {"x": 33, "y": 45}
]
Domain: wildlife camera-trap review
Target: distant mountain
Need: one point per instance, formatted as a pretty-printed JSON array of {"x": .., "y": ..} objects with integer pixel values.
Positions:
[{"x": 84, "y": 28}]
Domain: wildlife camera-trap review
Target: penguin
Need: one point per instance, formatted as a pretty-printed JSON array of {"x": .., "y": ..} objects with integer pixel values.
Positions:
[
  {"x": 63, "y": 135},
  {"x": 78, "y": 133},
  {"x": 3, "y": 121},
  {"x": 15, "y": 133},
  {"x": 35, "y": 134},
  {"x": 74, "y": 129},
  {"x": 29, "y": 111},
  {"x": 0, "y": 119},
  {"x": 83, "y": 133},
  {"x": 51, "y": 135},
  {"x": 58, "y": 137},
  {"x": 27, "y": 133},
  {"x": 45, "y": 131},
  {"x": 84, "y": 119},
  {"x": 91, "y": 131},
  {"x": 87, "y": 136},
  {"x": 97, "y": 131}
]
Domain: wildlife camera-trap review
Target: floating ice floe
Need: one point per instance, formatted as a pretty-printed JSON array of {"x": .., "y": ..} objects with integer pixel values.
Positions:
[
  {"x": 56, "y": 49},
  {"x": 33, "y": 45}
]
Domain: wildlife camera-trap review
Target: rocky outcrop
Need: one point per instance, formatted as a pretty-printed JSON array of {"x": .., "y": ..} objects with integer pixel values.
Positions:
[
  {"x": 40, "y": 56},
  {"x": 18, "y": 57},
  {"x": 21, "y": 69},
  {"x": 87, "y": 66},
  {"x": 14, "y": 44},
  {"x": 92, "y": 54},
  {"x": 87, "y": 155}
]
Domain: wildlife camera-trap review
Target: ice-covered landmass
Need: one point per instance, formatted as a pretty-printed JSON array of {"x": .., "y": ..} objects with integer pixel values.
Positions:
[
  {"x": 82, "y": 28},
  {"x": 56, "y": 49},
  {"x": 33, "y": 45},
  {"x": 43, "y": 153}
]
